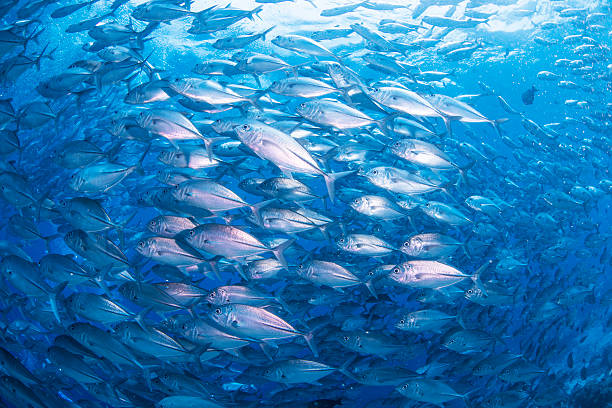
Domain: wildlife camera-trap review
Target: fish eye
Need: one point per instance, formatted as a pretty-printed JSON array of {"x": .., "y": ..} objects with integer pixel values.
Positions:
[
  {"x": 356, "y": 201},
  {"x": 218, "y": 311},
  {"x": 345, "y": 338},
  {"x": 397, "y": 144},
  {"x": 245, "y": 127},
  {"x": 470, "y": 291},
  {"x": 141, "y": 244},
  {"x": 396, "y": 270},
  {"x": 402, "y": 321},
  {"x": 341, "y": 240},
  {"x": 406, "y": 243},
  {"x": 63, "y": 203},
  {"x": 191, "y": 233},
  {"x": 374, "y": 172},
  {"x": 302, "y": 105},
  {"x": 212, "y": 294}
]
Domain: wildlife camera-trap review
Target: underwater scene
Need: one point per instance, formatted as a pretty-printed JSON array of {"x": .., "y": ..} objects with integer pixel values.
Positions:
[{"x": 305, "y": 203}]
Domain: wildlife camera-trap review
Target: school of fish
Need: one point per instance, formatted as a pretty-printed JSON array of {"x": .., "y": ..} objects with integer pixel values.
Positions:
[{"x": 204, "y": 205}]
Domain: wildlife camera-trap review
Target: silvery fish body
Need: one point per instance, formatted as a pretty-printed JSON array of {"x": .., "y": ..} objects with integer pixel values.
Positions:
[{"x": 189, "y": 155}]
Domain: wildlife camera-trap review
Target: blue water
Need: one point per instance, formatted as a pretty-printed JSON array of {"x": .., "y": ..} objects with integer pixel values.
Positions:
[{"x": 542, "y": 237}]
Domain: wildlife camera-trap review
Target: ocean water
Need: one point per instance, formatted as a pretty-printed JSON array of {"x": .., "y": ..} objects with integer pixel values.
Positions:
[{"x": 305, "y": 204}]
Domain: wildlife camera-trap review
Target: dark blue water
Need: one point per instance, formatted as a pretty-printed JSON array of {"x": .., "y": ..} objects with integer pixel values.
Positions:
[{"x": 513, "y": 312}]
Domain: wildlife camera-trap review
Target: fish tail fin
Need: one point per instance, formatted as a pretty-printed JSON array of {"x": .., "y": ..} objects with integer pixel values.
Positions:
[
  {"x": 256, "y": 207},
  {"x": 383, "y": 124},
  {"x": 370, "y": 285},
  {"x": 146, "y": 373},
  {"x": 347, "y": 96},
  {"x": 208, "y": 142},
  {"x": 147, "y": 30},
  {"x": 204, "y": 12},
  {"x": 444, "y": 189},
  {"x": 48, "y": 240},
  {"x": 310, "y": 341},
  {"x": 139, "y": 318},
  {"x": 496, "y": 122},
  {"x": 447, "y": 122},
  {"x": 476, "y": 276},
  {"x": 461, "y": 321},
  {"x": 121, "y": 229},
  {"x": 39, "y": 57},
  {"x": 254, "y": 100},
  {"x": 326, "y": 157},
  {"x": 240, "y": 271},
  {"x": 138, "y": 166},
  {"x": 486, "y": 88},
  {"x": 279, "y": 251},
  {"x": 114, "y": 149},
  {"x": 122, "y": 225},
  {"x": 463, "y": 172},
  {"x": 53, "y": 296},
  {"x": 330, "y": 181},
  {"x": 33, "y": 36},
  {"x": 257, "y": 80},
  {"x": 294, "y": 69},
  {"x": 344, "y": 368},
  {"x": 255, "y": 12},
  {"x": 281, "y": 301},
  {"x": 147, "y": 67},
  {"x": 101, "y": 280},
  {"x": 466, "y": 251},
  {"x": 214, "y": 265},
  {"x": 40, "y": 202},
  {"x": 325, "y": 232},
  {"x": 263, "y": 35}
]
